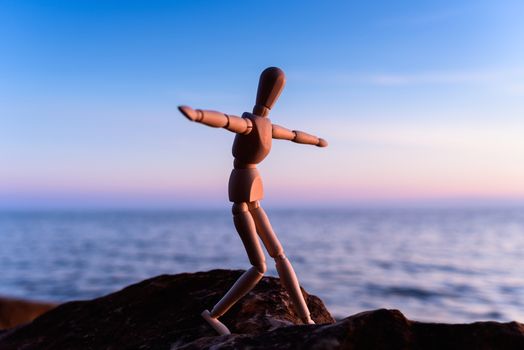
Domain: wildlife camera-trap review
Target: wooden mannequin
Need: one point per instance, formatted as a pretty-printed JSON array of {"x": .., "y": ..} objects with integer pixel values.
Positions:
[{"x": 252, "y": 144}]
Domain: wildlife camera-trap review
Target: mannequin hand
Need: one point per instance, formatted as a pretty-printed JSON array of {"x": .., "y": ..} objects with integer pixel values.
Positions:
[
  {"x": 322, "y": 143},
  {"x": 188, "y": 112}
]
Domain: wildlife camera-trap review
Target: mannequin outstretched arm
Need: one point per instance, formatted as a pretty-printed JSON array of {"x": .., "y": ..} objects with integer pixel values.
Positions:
[
  {"x": 218, "y": 120},
  {"x": 281, "y": 133}
]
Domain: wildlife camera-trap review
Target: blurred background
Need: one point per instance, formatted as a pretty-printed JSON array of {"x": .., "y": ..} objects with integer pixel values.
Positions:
[{"x": 417, "y": 203}]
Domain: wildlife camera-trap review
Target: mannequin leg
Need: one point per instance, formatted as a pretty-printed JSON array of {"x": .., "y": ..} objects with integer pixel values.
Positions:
[
  {"x": 286, "y": 273},
  {"x": 246, "y": 229}
]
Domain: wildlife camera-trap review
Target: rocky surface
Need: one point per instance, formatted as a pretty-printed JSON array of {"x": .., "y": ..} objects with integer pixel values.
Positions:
[
  {"x": 14, "y": 312},
  {"x": 164, "y": 313}
]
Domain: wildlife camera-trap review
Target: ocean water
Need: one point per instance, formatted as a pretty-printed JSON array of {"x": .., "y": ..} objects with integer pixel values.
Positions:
[{"x": 448, "y": 265}]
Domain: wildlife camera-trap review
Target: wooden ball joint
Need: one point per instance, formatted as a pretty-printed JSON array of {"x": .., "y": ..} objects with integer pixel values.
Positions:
[{"x": 254, "y": 133}]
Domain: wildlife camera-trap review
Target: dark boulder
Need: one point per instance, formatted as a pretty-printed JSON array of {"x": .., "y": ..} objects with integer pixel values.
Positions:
[{"x": 158, "y": 313}]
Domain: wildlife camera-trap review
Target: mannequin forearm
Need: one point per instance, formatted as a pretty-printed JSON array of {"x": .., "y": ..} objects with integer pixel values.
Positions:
[{"x": 302, "y": 137}]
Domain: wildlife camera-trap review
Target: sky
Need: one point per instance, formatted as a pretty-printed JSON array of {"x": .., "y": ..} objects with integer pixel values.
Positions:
[{"x": 421, "y": 102}]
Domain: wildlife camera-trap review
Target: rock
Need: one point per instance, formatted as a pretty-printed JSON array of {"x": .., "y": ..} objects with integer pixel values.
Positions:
[
  {"x": 160, "y": 312},
  {"x": 380, "y": 330},
  {"x": 14, "y": 312},
  {"x": 164, "y": 313}
]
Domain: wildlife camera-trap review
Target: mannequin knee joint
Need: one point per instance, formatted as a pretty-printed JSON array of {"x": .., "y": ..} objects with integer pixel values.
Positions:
[
  {"x": 261, "y": 267},
  {"x": 280, "y": 257}
]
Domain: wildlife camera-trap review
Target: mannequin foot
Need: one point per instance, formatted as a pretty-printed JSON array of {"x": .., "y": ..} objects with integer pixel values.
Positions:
[
  {"x": 308, "y": 321},
  {"x": 215, "y": 323}
]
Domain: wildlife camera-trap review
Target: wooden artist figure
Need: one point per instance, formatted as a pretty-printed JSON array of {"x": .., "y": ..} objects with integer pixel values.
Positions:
[{"x": 254, "y": 133}]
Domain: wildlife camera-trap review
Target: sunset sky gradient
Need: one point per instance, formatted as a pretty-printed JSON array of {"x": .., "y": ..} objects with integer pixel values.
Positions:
[{"x": 422, "y": 103}]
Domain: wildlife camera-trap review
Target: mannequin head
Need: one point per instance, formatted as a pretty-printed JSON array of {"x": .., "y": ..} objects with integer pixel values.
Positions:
[{"x": 270, "y": 85}]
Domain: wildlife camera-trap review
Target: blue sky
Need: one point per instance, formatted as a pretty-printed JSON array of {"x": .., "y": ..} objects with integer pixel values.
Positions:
[{"x": 421, "y": 101}]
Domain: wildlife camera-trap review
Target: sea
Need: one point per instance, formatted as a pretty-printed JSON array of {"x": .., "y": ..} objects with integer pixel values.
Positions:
[{"x": 438, "y": 265}]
